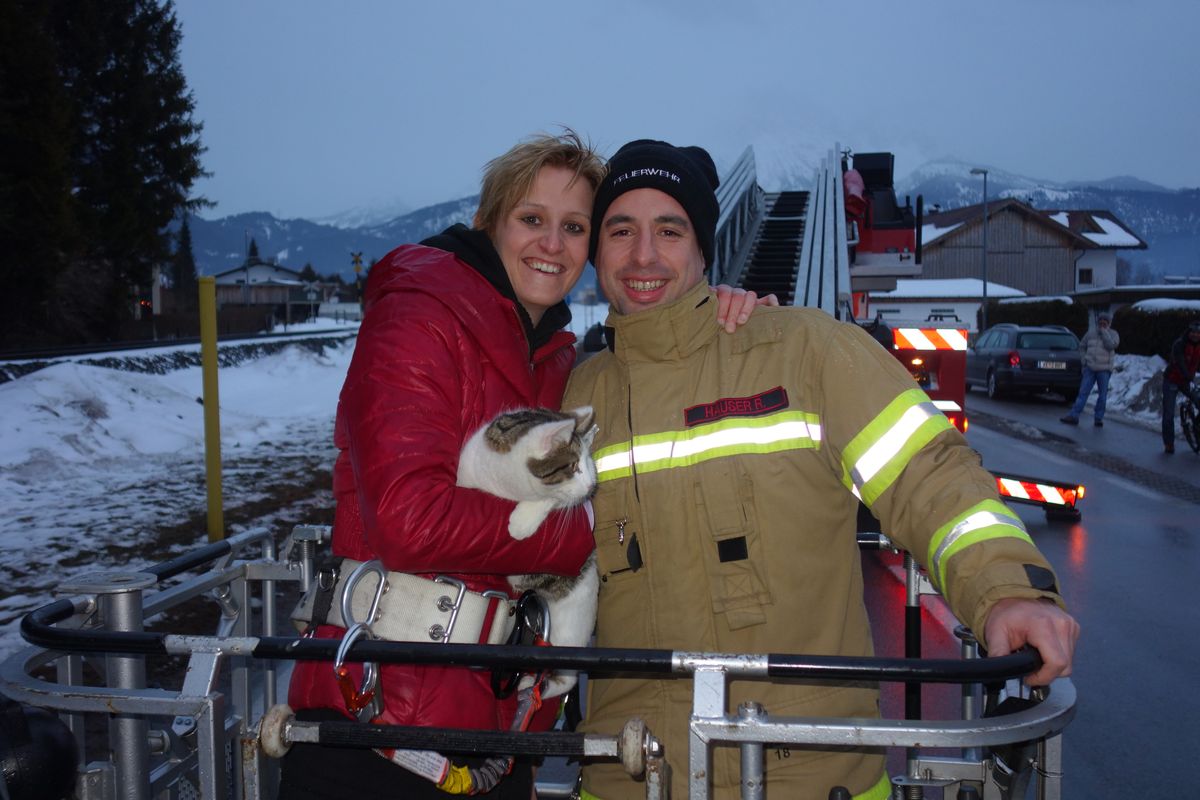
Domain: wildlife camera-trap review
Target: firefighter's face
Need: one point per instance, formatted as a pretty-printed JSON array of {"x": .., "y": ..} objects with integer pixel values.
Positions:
[{"x": 647, "y": 253}]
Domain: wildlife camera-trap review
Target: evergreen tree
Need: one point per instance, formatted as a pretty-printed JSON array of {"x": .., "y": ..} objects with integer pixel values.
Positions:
[
  {"x": 37, "y": 234},
  {"x": 136, "y": 149},
  {"x": 308, "y": 274},
  {"x": 183, "y": 270},
  {"x": 252, "y": 253}
]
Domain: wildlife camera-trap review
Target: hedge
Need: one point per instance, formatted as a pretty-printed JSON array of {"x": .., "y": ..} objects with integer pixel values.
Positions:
[{"x": 1143, "y": 333}]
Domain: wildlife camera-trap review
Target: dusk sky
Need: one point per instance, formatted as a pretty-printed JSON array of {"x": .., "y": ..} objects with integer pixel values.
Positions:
[{"x": 312, "y": 108}]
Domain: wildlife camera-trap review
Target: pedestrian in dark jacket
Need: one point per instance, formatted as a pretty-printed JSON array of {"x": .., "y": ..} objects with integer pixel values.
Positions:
[
  {"x": 1178, "y": 377},
  {"x": 1097, "y": 350}
]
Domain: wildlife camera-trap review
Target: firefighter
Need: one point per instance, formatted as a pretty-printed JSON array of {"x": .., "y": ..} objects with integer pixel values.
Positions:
[{"x": 730, "y": 472}]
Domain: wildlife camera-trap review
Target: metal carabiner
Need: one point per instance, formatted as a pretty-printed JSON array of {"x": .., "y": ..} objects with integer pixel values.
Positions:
[
  {"x": 352, "y": 583},
  {"x": 363, "y": 701}
]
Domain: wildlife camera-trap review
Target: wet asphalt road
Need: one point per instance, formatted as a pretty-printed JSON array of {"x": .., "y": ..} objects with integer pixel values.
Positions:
[{"x": 1129, "y": 572}]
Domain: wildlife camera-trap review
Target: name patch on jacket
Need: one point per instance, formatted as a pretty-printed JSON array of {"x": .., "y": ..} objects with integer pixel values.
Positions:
[{"x": 753, "y": 406}]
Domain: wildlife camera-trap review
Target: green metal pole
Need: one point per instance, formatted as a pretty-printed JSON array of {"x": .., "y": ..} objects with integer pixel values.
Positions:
[{"x": 212, "y": 407}]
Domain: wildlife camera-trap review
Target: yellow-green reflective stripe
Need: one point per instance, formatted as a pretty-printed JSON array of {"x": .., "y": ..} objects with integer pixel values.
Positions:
[
  {"x": 773, "y": 433},
  {"x": 880, "y": 452},
  {"x": 990, "y": 519},
  {"x": 882, "y": 790},
  {"x": 584, "y": 794}
]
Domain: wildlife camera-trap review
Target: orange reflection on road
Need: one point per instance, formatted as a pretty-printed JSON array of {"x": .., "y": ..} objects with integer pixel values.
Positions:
[{"x": 1077, "y": 543}]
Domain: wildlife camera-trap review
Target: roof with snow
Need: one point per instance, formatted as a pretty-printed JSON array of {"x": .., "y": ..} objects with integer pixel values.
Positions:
[
  {"x": 938, "y": 225},
  {"x": 945, "y": 289},
  {"x": 1099, "y": 226},
  {"x": 1090, "y": 228},
  {"x": 261, "y": 272}
]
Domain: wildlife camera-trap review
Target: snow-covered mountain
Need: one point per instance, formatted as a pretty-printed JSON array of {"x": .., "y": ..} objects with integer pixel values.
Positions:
[
  {"x": 221, "y": 244},
  {"x": 1169, "y": 220},
  {"x": 366, "y": 216}
]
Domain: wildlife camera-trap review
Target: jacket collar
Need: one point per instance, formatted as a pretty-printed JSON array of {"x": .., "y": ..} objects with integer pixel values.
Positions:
[
  {"x": 475, "y": 249},
  {"x": 664, "y": 333}
]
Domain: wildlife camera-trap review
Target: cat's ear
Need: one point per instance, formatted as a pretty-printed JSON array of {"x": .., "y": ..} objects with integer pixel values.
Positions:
[
  {"x": 554, "y": 435},
  {"x": 585, "y": 416}
]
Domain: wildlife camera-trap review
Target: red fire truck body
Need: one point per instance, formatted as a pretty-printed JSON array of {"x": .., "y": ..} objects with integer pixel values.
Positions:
[{"x": 886, "y": 243}]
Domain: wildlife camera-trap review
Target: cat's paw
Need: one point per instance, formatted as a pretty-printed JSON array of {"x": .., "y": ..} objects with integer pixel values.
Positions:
[{"x": 525, "y": 519}]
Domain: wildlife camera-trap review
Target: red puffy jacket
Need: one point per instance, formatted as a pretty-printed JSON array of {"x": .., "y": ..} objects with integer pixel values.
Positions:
[{"x": 440, "y": 352}]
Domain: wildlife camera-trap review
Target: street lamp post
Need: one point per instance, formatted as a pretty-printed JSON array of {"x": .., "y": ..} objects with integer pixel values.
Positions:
[{"x": 983, "y": 309}]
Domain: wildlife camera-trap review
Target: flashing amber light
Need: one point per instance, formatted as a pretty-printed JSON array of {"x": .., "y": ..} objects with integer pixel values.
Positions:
[
  {"x": 1080, "y": 492},
  {"x": 916, "y": 362},
  {"x": 965, "y": 425}
]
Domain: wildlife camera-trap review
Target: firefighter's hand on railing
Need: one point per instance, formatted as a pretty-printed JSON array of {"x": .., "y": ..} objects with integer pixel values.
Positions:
[
  {"x": 734, "y": 306},
  {"x": 1014, "y": 623}
]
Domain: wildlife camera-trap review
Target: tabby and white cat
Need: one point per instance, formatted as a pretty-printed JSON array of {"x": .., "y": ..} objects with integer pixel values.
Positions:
[{"x": 542, "y": 460}]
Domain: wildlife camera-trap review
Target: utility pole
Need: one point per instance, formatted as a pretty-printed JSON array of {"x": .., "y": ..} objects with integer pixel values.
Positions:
[
  {"x": 983, "y": 309},
  {"x": 356, "y": 259}
]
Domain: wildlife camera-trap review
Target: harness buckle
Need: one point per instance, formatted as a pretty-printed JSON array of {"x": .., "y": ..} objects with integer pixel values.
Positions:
[{"x": 439, "y": 633}]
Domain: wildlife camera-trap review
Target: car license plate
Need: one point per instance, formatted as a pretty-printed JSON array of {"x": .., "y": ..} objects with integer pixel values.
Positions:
[{"x": 1052, "y": 365}]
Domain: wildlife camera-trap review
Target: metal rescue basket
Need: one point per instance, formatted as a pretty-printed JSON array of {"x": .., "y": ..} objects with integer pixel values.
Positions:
[{"x": 215, "y": 736}]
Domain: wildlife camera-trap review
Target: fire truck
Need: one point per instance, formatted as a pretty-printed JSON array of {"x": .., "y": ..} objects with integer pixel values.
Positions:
[{"x": 884, "y": 242}]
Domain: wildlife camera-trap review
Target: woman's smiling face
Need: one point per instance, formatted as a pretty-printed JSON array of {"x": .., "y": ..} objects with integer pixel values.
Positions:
[{"x": 543, "y": 241}]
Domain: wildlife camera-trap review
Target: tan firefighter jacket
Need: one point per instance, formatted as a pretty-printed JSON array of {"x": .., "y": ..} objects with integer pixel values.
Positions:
[{"x": 730, "y": 470}]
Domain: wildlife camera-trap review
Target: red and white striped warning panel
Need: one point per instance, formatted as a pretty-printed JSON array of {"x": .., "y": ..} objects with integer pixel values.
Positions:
[
  {"x": 1037, "y": 492},
  {"x": 930, "y": 338}
]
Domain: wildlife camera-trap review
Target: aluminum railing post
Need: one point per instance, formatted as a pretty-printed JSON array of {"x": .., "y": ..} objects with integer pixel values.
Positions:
[
  {"x": 119, "y": 600},
  {"x": 753, "y": 766}
]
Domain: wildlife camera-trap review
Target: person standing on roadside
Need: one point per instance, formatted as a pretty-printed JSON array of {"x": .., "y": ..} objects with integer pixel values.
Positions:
[
  {"x": 1097, "y": 348},
  {"x": 1177, "y": 377}
]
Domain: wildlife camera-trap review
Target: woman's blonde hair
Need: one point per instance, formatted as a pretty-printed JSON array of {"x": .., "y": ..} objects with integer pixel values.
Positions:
[{"x": 507, "y": 179}]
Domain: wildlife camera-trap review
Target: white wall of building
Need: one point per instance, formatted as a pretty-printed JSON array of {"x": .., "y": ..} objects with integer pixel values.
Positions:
[
  {"x": 259, "y": 273},
  {"x": 1102, "y": 263}
]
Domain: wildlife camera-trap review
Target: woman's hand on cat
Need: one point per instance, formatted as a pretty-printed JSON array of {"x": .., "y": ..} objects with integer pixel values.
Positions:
[{"x": 734, "y": 306}]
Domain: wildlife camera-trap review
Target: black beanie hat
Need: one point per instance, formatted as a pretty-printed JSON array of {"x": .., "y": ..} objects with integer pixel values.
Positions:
[{"x": 687, "y": 174}]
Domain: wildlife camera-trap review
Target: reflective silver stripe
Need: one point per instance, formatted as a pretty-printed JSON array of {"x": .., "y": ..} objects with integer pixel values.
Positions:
[
  {"x": 980, "y": 519},
  {"x": 890, "y": 444},
  {"x": 790, "y": 430}
]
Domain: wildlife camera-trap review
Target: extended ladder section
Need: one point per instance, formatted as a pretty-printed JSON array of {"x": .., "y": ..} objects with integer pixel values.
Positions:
[
  {"x": 791, "y": 243},
  {"x": 772, "y": 264}
]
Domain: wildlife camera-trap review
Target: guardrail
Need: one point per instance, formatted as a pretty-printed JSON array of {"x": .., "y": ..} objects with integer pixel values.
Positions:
[
  {"x": 823, "y": 277},
  {"x": 195, "y": 730},
  {"x": 741, "y": 203},
  {"x": 51, "y": 353}
]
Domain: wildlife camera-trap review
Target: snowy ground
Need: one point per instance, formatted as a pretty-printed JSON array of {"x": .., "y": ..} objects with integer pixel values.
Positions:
[{"x": 101, "y": 467}]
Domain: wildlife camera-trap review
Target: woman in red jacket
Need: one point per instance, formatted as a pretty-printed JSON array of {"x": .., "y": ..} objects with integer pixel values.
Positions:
[{"x": 457, "y": 329}]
